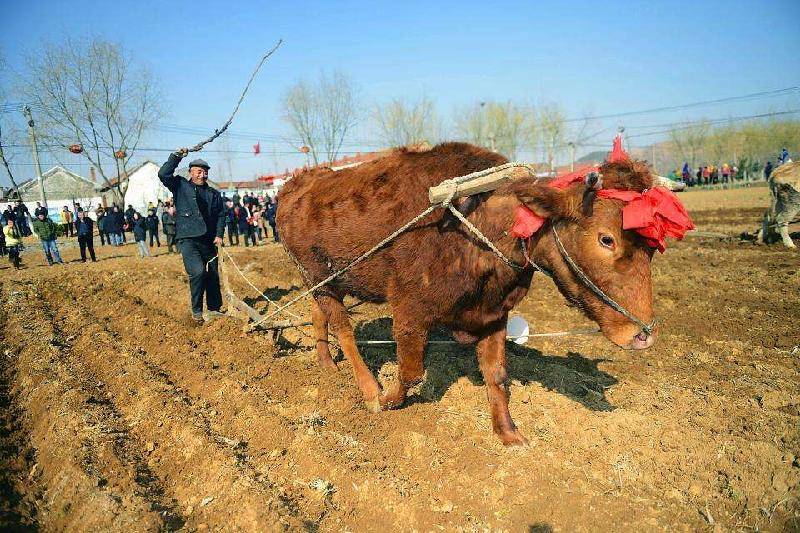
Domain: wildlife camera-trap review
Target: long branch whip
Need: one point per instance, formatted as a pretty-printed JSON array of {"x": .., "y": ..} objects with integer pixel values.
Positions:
[{"x": 199, "y": 146}]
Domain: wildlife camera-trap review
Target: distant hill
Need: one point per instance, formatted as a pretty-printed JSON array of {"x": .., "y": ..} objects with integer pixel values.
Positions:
[{"x": 593, "y": 157}]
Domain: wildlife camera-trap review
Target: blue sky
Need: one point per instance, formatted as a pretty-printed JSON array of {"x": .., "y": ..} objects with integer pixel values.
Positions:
[{"x": 595, "y": 57}]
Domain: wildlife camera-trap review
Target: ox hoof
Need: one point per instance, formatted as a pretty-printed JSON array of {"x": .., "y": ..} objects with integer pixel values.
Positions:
[
  {"x": 513, "y": 438},
  {"x": 373, "y": 406},
  {"x": 390, "y": 401},
  {"x": 328, "y": 364}
]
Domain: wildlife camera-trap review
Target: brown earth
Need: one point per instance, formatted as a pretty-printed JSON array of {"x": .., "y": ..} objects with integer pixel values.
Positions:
[{"x": 118, "y": 414}]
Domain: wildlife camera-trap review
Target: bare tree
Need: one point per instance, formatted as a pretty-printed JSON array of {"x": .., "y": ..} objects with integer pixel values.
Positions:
[
  {"x": 502, "y": 126},
  {"x": 3, "y": 157},
  {"x": 402, "y": 122},
  {"x": 323, "y": 114},
  {"x": 90, "y": 93},
  {"x": 552, "y": 130},
  {"x": 689, "y": 141}
]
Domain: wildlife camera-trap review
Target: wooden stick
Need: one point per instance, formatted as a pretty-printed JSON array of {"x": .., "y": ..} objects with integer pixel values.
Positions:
[
  {"x": 483, "y": 181},
  {"x": 199, "y": 146},
  {"x": 236, "y": 306}
]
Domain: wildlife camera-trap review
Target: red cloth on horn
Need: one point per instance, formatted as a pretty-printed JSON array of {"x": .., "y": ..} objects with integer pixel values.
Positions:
[
  {"x": 257, "y": 148},
  {"x": 618, "y": 153},
  {"x": 654, "y": 214}
]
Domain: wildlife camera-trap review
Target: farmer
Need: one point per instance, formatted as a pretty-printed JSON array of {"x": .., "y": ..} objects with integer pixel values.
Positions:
[
  {"x": 199, "y": 226},
  {"x": 47, "y": 231}
]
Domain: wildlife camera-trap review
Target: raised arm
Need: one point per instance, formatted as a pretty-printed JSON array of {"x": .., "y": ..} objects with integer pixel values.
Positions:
[{"x": 167, "y": 171}]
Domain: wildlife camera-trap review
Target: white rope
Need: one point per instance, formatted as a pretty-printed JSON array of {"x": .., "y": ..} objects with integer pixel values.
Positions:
[
  {"x": 482, "y": 238},
  {"x": 267, "y": 298},
  {"x": 584, "y": 331}
]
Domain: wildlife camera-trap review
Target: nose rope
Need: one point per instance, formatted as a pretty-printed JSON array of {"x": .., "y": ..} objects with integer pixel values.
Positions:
[{"x": 646, "y": 328}]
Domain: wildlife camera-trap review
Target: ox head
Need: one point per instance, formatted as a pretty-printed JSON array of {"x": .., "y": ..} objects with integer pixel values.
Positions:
[{"x": 591, "y": 230}]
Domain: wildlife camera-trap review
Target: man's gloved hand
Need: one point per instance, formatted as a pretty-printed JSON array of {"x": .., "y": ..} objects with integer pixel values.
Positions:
[{"x": 181, "y": 152}]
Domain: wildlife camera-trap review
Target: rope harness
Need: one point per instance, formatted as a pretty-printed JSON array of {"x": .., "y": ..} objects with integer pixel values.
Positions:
[{"x": 606, "y": 299}]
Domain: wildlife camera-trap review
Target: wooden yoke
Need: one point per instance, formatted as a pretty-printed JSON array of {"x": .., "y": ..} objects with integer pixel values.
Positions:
[{"x": 478, "y": 182}]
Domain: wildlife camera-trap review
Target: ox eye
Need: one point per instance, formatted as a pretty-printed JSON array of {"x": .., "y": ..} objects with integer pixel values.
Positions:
[{"x": 607, "y": 241}]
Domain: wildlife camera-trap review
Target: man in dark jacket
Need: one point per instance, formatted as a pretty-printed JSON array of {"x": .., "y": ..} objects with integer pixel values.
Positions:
[
  {"x": 232, "y": 222},
  {"x": 272, "y": 211},
  {"x": 112, "y": 225},
  {"x": 39, "y": 209},
  {"x": 21, "y": 215},
  {"x": 768, "y": 170},
  {"x": 152, "y": 227},
  {"x": 84, "y": 227},
  {"x": 101, "y": 230},
  {"x": 199, "y": 226},
  {"x": 168, "y": 223}
]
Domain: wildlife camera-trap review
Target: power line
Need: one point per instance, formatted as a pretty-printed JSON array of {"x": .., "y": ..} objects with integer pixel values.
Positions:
[
  {"x": 763, "y": 94},
  {"x": 690, "y": 125}
]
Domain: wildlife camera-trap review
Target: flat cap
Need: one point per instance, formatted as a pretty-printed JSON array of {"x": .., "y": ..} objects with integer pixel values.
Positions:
[{"x": 199, "y": 163}]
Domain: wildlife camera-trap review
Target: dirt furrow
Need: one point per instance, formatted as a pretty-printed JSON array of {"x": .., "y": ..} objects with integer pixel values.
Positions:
[
  {"x": 207, "y": 470},
  {"x": 86, "y": 485},
  {"x": 17, "y": 493}
]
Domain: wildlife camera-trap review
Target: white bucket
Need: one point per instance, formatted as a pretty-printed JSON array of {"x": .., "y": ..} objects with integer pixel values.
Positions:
[{"x": 517, "y": 329}]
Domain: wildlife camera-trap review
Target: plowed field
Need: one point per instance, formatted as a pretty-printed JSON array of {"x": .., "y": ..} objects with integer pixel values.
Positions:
[{"x": 119, "y": 414}]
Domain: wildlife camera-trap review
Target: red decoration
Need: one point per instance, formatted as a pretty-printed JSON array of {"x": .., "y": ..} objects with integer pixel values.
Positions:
[
  {"x": 257, "y": 148},
  {"x": 120, "y": 154},
  {"x": 618, "y": 153},
  {"x": 305, "y": 149},
  {"x": 655, "y": 214},
  {"x": 76, "y": 148}
]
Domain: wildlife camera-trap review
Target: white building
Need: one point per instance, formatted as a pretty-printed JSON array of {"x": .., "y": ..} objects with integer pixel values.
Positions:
[
  {"x": 61, "y": 187},
  {"x": 144, "y": 187}
]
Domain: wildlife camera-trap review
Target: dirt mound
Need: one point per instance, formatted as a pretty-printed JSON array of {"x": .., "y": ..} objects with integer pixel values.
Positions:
[{"x": 119, "y": 414}]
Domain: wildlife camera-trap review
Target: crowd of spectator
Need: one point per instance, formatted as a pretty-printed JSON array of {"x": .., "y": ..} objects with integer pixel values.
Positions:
[
  {"x": 247, "y": 219},
  {"x": 725, "y": 173}
]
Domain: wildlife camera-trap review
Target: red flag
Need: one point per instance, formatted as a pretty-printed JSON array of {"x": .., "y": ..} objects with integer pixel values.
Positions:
[{"x": 257, "y": 148}]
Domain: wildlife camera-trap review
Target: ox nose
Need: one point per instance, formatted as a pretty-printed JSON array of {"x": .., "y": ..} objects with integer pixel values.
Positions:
[{"x": 642, "y": 341}]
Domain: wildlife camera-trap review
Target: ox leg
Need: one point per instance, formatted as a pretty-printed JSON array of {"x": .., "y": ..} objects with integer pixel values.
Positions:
[
  {"x": 339, "y": 322},
  {"x": 320, "y": 320},
  {"x": 411, "y": 341},
  {"x": 783, "y": 229},
  {"x": 491, "y": 351}
]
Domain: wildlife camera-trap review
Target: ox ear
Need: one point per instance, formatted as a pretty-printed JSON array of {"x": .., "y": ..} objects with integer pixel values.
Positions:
[{"x": 547, "y": 202}]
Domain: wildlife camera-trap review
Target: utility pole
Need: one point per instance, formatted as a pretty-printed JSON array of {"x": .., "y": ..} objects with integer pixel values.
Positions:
[
  {"x": 572, "y": 151},
  {"x": 653, "y": 147},
  {"x": 26, "y": 110}
]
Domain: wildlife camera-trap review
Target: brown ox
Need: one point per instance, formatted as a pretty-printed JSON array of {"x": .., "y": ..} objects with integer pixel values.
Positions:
[{"x": 437, "y": 273}]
